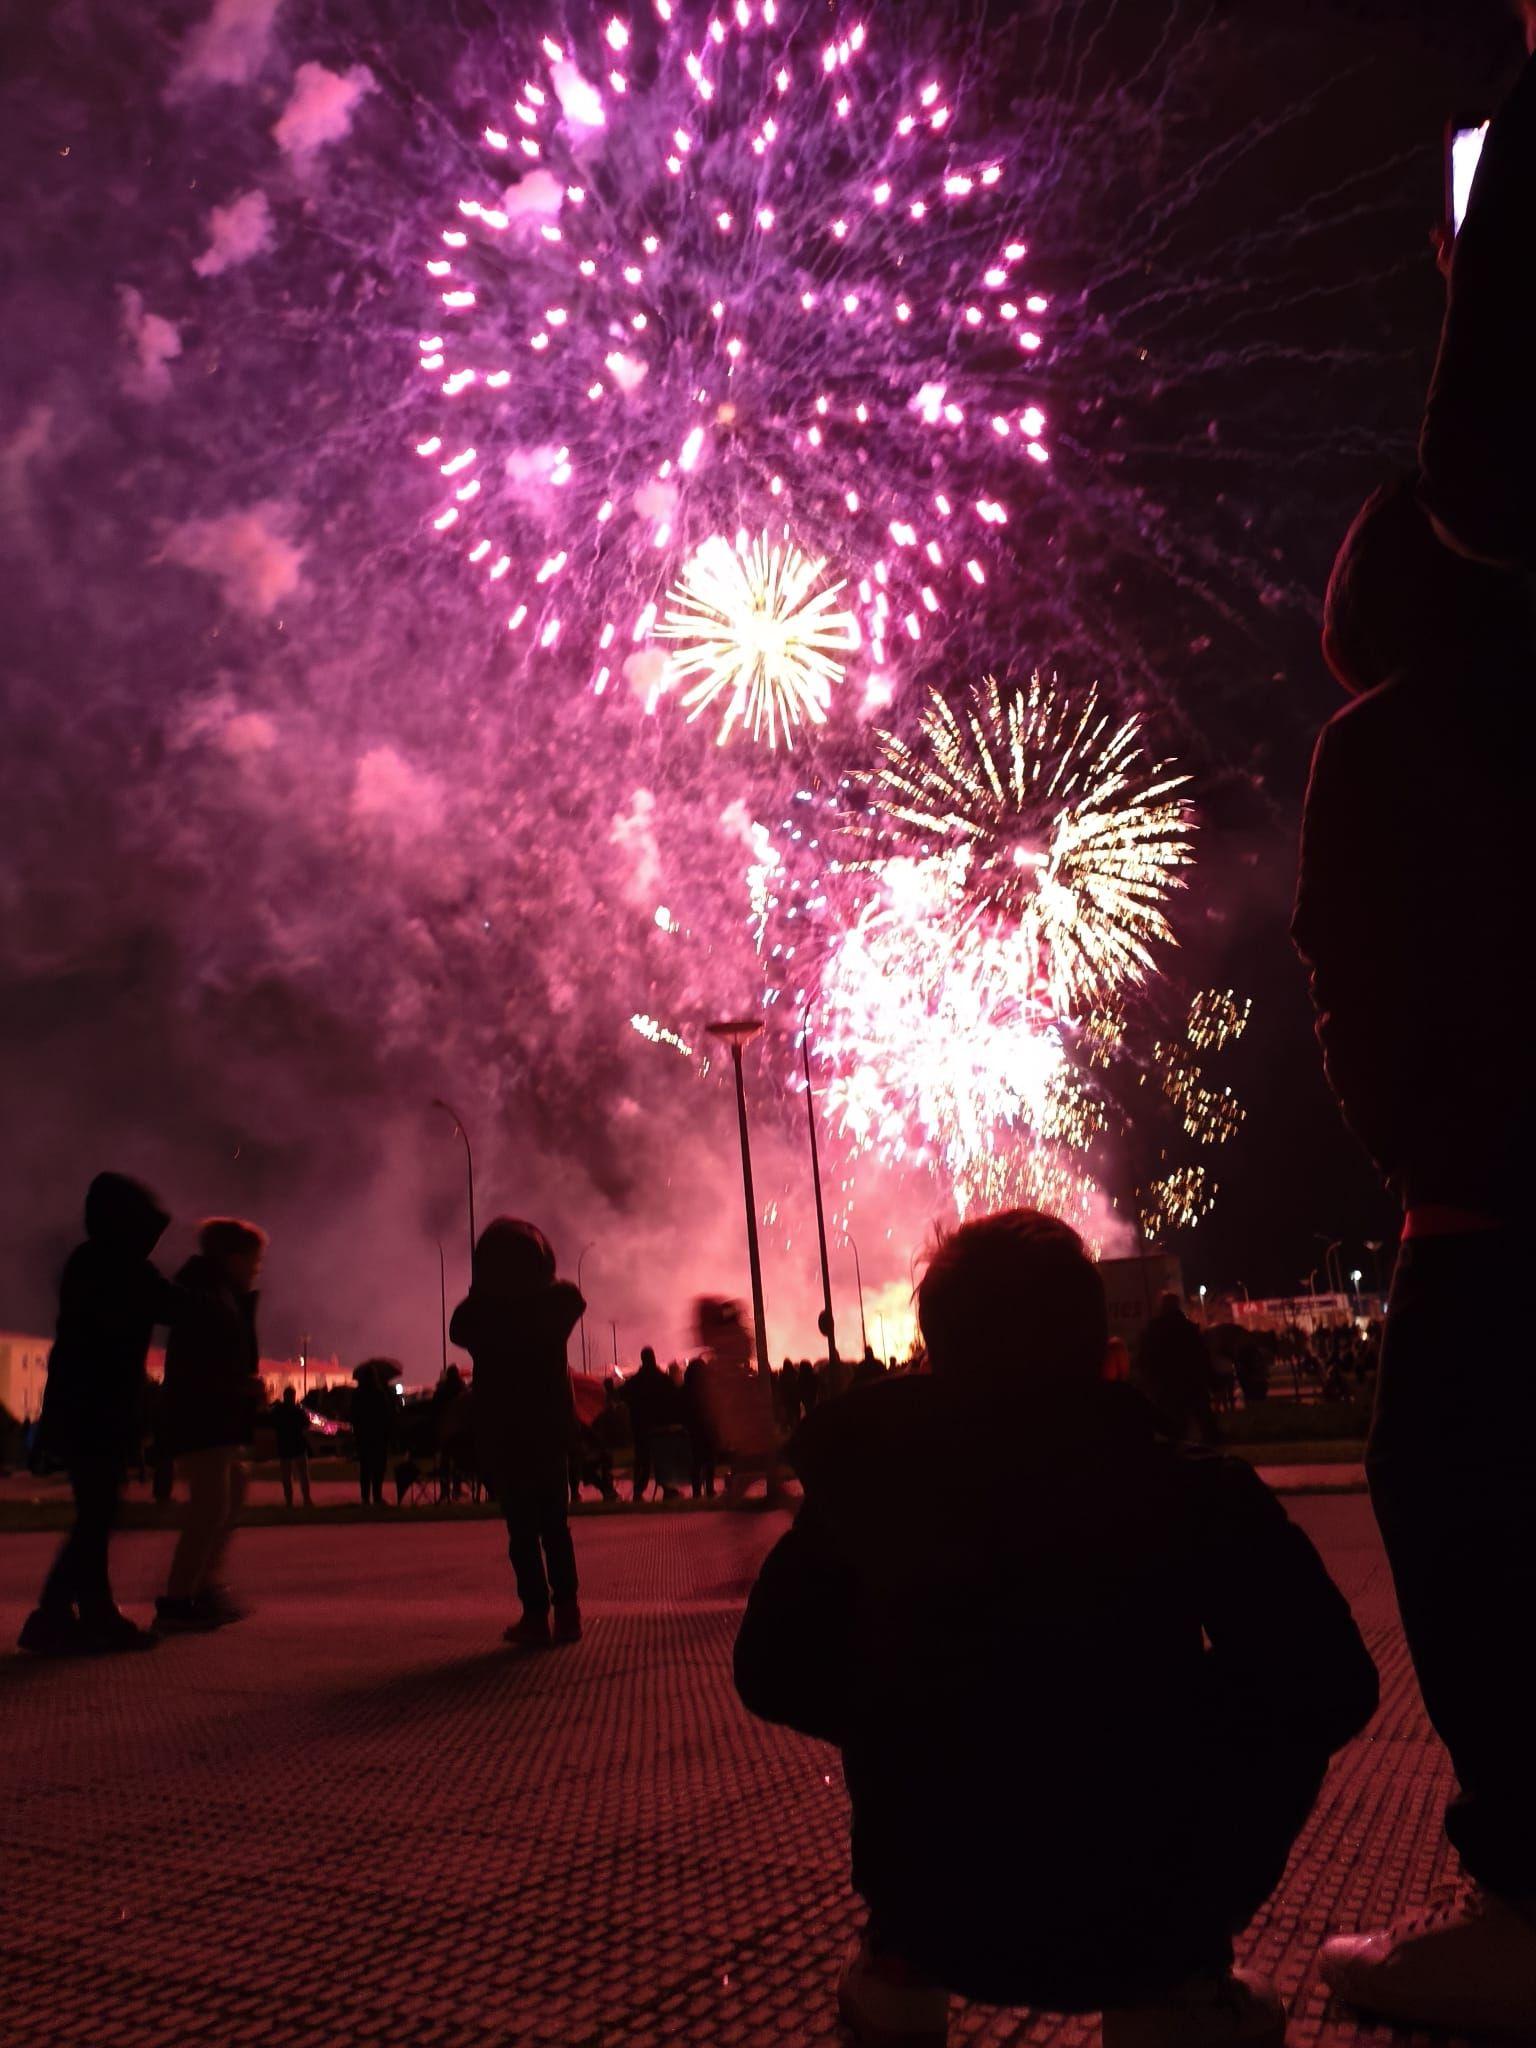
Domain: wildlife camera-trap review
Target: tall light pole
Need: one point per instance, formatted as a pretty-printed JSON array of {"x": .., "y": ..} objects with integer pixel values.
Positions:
[
  {"x": 580, "y": 1256},
  {"x": 859, "y": 1278},
  {"x": 442, "y": 1299},
  {"x": 469, "y": 1167},
  {"x": 737, "y": 1032},
  {"x": 827, "y": 1329}
]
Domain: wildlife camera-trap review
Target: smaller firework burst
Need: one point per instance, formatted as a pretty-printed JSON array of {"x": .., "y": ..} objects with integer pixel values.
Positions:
[
  {"x": 1177, "y": 1201},
  {"x": 1217, "y": 1019},
  {"x": 1061, "y": 828},
  {"x": 1209, "y": 1115},
  {"x": 755, "y": 626}
]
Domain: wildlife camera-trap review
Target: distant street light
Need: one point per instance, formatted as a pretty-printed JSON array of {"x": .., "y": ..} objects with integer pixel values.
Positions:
[
  {"x": 1201, "y": 1291},
  {"x": 827, "y": 1329},
  {"x": 442, "y": 1299},
  {"x": 580, "y": 1256},
  {"x": 737, "y": 1032},
  {"x": 859, "y": 1279},
  {"x": 469, "y": 1165}
]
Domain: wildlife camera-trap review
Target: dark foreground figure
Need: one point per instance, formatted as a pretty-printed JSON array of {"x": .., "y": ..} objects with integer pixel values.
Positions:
[
  {"x": 111, "y": 1296},
  {"x": 993, "y": 1602},
  {"x": 515, "y": 1323},
  {"x": 1414, "y": 852}
]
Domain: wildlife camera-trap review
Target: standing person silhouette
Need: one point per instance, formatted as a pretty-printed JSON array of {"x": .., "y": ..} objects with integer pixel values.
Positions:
[
  {"x": 213, "y": 1396},
  {"x": 515, "y": 1323},
  {"x": 1415, "y": 850},
  {"x": 111, "y": 1296}
]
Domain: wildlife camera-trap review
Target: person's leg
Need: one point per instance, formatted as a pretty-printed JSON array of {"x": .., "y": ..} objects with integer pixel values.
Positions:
[
  {"x": 362, "y": 1476},
  {"x": 302, "y": 1465},
  {"x": 520, "y": 1507},
  {"x": 559, "y": 1550},
  {"x": 231, "y": 1501},
  {"x": 204, "y": 1476},
  {"x": 1452, "y": 1470},
  {"x": 642, "y": 1473},
  {"x": 285, "y": 1472},
  {"x": 79, "y": 1574}
]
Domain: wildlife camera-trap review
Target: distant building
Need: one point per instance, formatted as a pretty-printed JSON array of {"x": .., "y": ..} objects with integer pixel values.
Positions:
[
  {"x": 1134, "y": 1287},
  {"x": 1306, "y": 1312},
  {"x": 23, "y": 1374}
]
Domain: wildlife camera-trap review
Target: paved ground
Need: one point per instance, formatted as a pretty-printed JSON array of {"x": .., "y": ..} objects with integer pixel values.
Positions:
[{"x": 356, "y": 1820}]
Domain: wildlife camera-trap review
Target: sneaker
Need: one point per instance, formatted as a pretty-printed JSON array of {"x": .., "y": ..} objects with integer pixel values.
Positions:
[
  {"x": 47, "y": 1634},
  {"x": 567, "y": 1622},
  {"x": 531, "y": 1633},
  {"x": 884, "y": 2004},
  {"x": 1468, "y": 1966},
  {"x": 181, "y": 1616},
  {"x": 219, "y": 1606},
  {"x": 108, "y": 1633},
  {"x": 1216, "y": 2009}
]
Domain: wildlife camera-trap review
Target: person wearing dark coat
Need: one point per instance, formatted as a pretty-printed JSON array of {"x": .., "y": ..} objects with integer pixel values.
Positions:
[
  {"x": 111, "y": 1296},
  {"x": 290, "y": 1428},
  {"x": 1085, "y": 1681},
  {"x": 655, "y": 1405},
  {"x": 1415, "y": 867},
  {"x": 701, "y": 1435},
  {"x": 373, "y": 1424},
  {"x": 1173, "y": 1370},
  {"x": 213, "y": 1398},
  {"x": 516, "y": 1323}
]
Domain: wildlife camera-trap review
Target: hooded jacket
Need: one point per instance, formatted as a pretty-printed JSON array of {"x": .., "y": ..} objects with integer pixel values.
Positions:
[
  {"x": 213, "y": 1390},
  {"x": 111, "y": 1296},
  {"x": 1414, "y": 907},
  {"x": 998, "y": 1605},
  {"x": 524, "y": 1418}
]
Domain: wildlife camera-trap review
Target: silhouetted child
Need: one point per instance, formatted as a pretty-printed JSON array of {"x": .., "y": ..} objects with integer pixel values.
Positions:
[
  {"x": 111, "y": 1296},
  {"x": 213, "y": 1397},
  {"x": 515, "y": 1323},
  {"x": 290, "y": 1428},
  {"x": 1086, "y": 1682}
]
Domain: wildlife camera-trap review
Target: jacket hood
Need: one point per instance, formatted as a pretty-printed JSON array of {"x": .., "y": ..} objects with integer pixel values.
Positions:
[
  {"x": 124, "y": 1215},
  {"x": 1400, "y": 599},
  {"x": 511, "y": 1257}
]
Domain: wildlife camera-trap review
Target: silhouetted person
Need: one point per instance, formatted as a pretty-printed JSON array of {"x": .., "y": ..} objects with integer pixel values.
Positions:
[
  {"x": 111, "y": 1296},
  {"x": 810, "y": 1389},
  {"x": 997, "y": 1599},
  {"x": 446, "y": 1396},
  {"x": 1173, "y": 1370},
  {"x": 373, "y": 1425},
  {"x": 701, "y": 1436},
  {"x": 868, "y": 1369},
  {"x": 213, "y": 1396},
  {"x": 1416, "y": 854},
  {"x": 290, "y": 1426},
  {"x": 654, "y": 1406},
  {"x": 515, "y": 1323}
]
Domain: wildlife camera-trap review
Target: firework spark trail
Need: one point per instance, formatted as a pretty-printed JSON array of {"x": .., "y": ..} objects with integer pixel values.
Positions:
[
  {"x": 754, "y": 629},
  {"x": 724, "y": 265},
  {"x": 1056, "y": 823}
]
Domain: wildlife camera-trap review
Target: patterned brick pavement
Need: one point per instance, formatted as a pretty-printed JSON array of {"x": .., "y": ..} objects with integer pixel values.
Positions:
[{"x": 355, "y": 1819}]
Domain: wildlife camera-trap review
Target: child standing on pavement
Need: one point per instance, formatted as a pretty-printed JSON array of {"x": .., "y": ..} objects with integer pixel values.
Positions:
[
  {"x": 213, "y": 1396},
  {"x": 515, "y": 1323},
  {"x": 1085, "y": 1681}
]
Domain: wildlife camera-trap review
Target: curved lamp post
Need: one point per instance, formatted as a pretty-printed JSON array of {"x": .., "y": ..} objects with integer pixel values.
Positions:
[
  {"x": 859, "y": 1280},
  {"x": 827, "y": 1328},
  {"x": 579, "y": 1257},
  {"x": 469, "y": 1167},
  {"x": 737, "y": 1032}
]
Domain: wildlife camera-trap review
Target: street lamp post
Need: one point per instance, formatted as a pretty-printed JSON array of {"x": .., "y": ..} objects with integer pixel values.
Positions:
[
  {"x": 580, "y": 1256},
  {"x": 859, "y": 1279},
  {"x": 442, "y": 1300},
  {"x": 821, "y": 1222},
  {"x": 469, "y": 1167},
  {"x": 737, "y": 1032}
]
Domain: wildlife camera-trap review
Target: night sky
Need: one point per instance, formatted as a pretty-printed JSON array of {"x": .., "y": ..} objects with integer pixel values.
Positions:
[{"x": 292, "y": 842}]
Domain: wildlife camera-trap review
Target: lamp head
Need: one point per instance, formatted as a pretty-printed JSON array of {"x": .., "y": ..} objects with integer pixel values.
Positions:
[{"x": 736, "y": 1031}]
